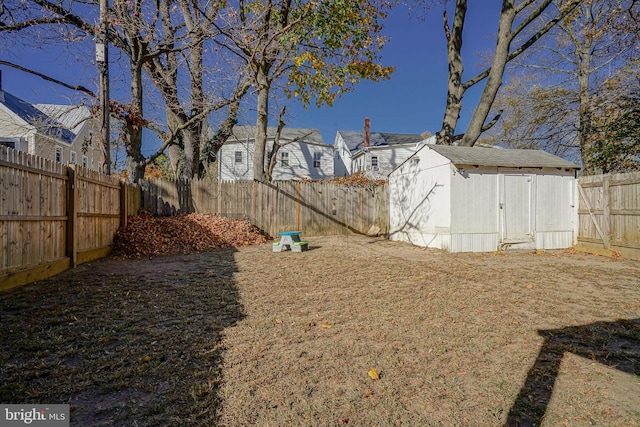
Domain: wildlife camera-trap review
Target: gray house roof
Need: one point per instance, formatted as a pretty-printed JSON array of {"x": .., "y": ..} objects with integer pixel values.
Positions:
[
  {"x": 355, "y": 139},
  {"x": 248, "y": 133},
  {"x": 37, "y": 118},
  {"x": 478, "y": 156},
  {"x": 72, "y": 117}
]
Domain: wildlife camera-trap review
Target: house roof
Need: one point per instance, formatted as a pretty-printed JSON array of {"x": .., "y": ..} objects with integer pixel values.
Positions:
[
  {"x": 355, "y": 139},
  {"x": 478, "y": 156},
  {"x": 248, "y": 133},
  {"x": 72, "y": 117},
  {"x": 37, "y": 118}
]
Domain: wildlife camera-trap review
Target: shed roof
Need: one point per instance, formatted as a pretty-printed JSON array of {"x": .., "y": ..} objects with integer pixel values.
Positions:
[
  {"x": 355, "y": 139},
  {"x": 478, "y": 156},
  {"x": 244, "y": 133}
]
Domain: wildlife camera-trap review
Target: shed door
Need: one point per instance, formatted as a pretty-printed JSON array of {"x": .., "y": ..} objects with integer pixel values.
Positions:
[{"x": 516, "y": 208}]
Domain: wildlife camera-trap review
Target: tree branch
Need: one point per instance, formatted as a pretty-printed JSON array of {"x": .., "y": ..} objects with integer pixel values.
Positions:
[{"x": 527, "y": 44}]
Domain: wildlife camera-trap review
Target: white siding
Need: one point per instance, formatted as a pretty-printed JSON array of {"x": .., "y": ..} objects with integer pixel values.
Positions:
[
  {"x": 301, "y": 164},
  {"x": 389, "y": 158},
  {"x": 475, "y": 202},
  {"x": 434, "y": 204},
  {"x": 342, "y": 157},
  {"x": 420, "y": 203},
  {"x": 554, "y": 204}
]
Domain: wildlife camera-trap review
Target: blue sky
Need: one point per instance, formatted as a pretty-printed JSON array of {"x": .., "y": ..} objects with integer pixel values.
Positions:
[{"x": 411, "y": 102}]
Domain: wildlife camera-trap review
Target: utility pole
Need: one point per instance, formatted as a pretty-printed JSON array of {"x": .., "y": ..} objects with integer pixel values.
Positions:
[{"x": 102, "y": 58}]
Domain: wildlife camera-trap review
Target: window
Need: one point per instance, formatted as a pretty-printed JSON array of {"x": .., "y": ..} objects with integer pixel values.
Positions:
[
  {"x": 238, "y": 156},
  {"x": 59, "y": 154},
  {"x": 415, "y": 161},
  {"x": 374, "y": 162},
  {"x": 85, "y": 162},
  {"x": 9, "y": 144},
  {"x": 284, "y": 159},
  {"x": 74, "y": 157},
  {"x": 316, "y": 159}
]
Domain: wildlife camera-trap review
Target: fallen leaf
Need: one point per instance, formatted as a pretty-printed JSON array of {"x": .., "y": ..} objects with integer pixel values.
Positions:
[
  {"x": 367, "y": 393},
  {"x": 373, "y": 373},
  {"x": 326, "y": 326},
  {"x": 343, "y": 421},
  {"x": 146, "y": 359},
  {"x": 529, "y": 286},
  {"x": 148, "y": 236}
]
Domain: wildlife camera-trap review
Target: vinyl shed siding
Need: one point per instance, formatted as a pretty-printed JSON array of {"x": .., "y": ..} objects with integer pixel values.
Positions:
[
  {"x": 420, "y": 202},
  {"x": 475, "y": 201}
]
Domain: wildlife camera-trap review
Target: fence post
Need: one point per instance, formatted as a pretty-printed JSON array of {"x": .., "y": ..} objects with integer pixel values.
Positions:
[
  {"x": 298, "y": 205},
  {"x": 124, "y": 203},
  {"x": 606, "y": 211},
  {"x": 72, "y": 216}
]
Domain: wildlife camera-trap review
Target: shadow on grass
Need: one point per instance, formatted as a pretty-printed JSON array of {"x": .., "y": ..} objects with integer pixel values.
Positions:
[
  {"x": 615, "y": 344},
  {"x": 124, "y": 342}
]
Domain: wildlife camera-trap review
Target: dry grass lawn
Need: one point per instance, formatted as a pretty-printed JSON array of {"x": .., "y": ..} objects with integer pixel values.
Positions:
[{"x": 251, "y": 337}]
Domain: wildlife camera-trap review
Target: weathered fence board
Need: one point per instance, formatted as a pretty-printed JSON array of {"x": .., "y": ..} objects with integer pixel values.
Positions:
[
  {"x": 32, "y": 210},
  {"x": 316, "y": 208},
  {"x": 609, "y": 212},
  {"x": 53, "y": 216}
]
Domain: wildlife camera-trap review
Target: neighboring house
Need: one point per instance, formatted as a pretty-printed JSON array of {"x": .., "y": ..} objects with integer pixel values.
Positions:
[
  {"x": 471, "y": 199},
  {"x": 377, "y": 155},
  {"x": 303, "y": 154},
  {"x": 62, "y": 133}
]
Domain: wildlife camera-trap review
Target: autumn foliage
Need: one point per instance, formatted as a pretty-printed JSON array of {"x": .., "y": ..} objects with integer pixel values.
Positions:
[{"x": 146, "y": 235}]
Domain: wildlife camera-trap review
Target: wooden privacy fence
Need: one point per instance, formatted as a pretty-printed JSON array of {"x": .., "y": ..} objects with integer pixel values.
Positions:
[
  {"x": 609, "y": 212},
  {"x": 316, "y": 208},
  {"x": 53, "y": 217}
]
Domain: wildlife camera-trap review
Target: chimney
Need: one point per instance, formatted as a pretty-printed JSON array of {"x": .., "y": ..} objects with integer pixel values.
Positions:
[{"x": 367, "y": 132}]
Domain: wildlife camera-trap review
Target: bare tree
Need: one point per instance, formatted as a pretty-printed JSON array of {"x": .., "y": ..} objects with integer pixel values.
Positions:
[
  {"x": 515, "y": 17},
  {"x": 163, "y": 41},
  {"x": 585, "y": 66}
]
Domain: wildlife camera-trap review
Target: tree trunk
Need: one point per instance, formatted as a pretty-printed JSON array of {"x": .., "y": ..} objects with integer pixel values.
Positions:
[
  {"x": 193, "y": 133},
  {"x": 455, "y": 91},
  {"x": 133, "y": 122},
  {"x": 262, "y": 122},
  {"x": 494, "y": 81},
  {"x": 584, "y": 109}
]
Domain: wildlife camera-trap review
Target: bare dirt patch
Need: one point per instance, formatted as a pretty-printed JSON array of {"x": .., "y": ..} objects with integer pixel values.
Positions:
[{"x": 250, "y": 337}]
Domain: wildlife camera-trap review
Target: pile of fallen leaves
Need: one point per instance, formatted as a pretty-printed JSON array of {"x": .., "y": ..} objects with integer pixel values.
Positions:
[
  {"x": 358, "y": 179},
  {"x": 146, "y": 235}
]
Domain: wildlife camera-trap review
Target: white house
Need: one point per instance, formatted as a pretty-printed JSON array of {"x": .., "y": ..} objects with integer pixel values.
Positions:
[
  {"x": 303, "y": 154},
  {"x": 62, "y": 133},
  {"x": 376, "y": 153},
  {"x": 471, "y": 199}
]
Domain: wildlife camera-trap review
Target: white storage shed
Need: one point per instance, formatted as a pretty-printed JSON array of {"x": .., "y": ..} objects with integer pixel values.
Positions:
[{"x": 472, "y": 199}]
